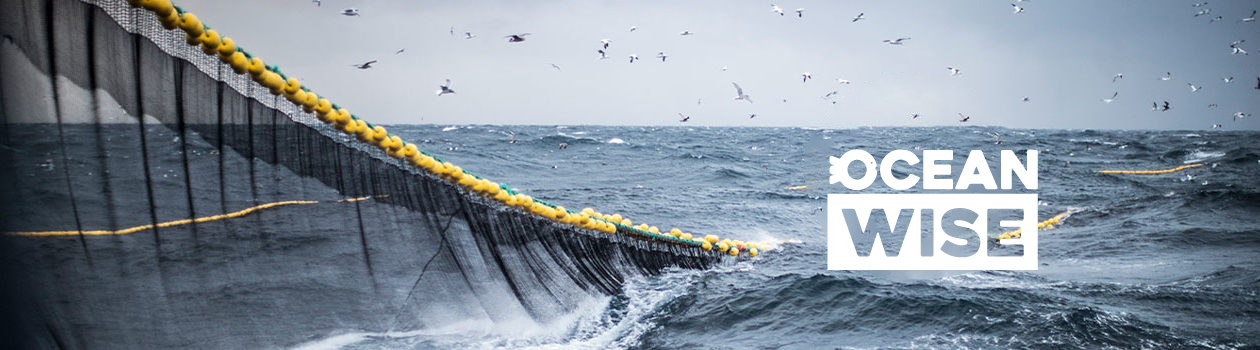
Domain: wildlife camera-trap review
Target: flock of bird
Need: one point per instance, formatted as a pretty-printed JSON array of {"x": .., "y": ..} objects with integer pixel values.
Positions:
[{"x": 740, "y": 95}]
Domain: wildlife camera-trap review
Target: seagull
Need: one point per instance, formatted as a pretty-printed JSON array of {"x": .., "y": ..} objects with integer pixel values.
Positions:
[
  {"x": 553, "y": 65},
  {"x": 954, "y": 71},
  {"x": 602, "y": 55},
  {"x": 686, "y": 32},
  {"x": 633, "y": 58},
  {"x": 1194, "y": 88},
  {"x": 806, "y": 76},
  {"x": 699, "y": 100},
  {"x": 661, "y": 55},
  {"x": 739, "y": 93},
  {"x": 634, "y": 28},
  {"x": 1212, "y": 105},
  {"x": 860, "y": 16},
  {"x": 964, "y": 119},
  {"x": 684, "y": 119},
  {"x": 829, "y": 94},
  {"x": 1166, "y": 107},
  {"x": 446, "y": 89},
  {"x": 1018, "y": 9},
  {"x": 1117, "y": 76},
  {"x": 317, "y": 3},
  {"x": 516, "y": 38},
  {"x": 843, "y": 81},
  {"x": 775, "y": 8},
  {"x": 754, "y": 115},
  {"x": 915, "y": 116},
  {"x": 1112, "y": 99},
  {"x": 1167, "y": 76},
  {"x": 1228, "y": 80},
  {"x": 1239, "y": 115},
  {"x": 799, "y": 12},
  {"x": 452, "y": 30},
  {"x": 724, "y": 68},
  {"x": 1217, "y": 18},
  {"x": 1216, "y": 126},
  {"x": 998, "y": 136},
  {"x": 1154, "y": 106},
  {"x": 896, "y": 42},
  {"x": 364, "y": 65},
  {"x": 606, "y": 42},
  {"x": 350, "y": 12},
  {"x": 1198, "y": 4},
  {"x": 1238, "y": 50},
  {"x": 563, "y": 145},
  {"x": 1025, "y": 98},
  {"x": 469, "y": 35},
  {"x": 513, "y": 134},
  {"x": 1203, "y": 12},
  {"x": 1251, "y": 18},
  {"x": 400, "y": 51}
]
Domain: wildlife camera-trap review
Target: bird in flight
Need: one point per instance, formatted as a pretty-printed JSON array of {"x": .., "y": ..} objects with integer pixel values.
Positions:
[
  {"x": 553, "y": 65},
  {"x": 516, "y": 38},
  {"x": 740, "y": 95},
  {"x": 606, "y": 42},
  {"x": 775, "y": 8},
  {"x": 896, "y": 42},
  {"x": 1166, "y": 106},
  {"x": 1239, "y": 115},
  {"x": 964, "y": 119},
  {"x": 1214, "y": 19},
  {"x": 1251, "y": 18},
  {"x": 829, "y": 94},
  {"x": 469, "y": 35},
  {"x": 686, "y": 32},
  {"x": 1025, "y": 98},
  {"x": 633, "y": 58},
  {"x": 317, "y": 3},
  {"x": 860, "y": 16},
  {"x": 602, "y": 55},
  {"x": 1167, "y": 76},
  {"x": 1112, "y": 99},
  {"x": 915, "y": 116},
  {"x": 1199, "y": 4},
  {"x": 754, "y": 115},
  {"x": 954, "y": 71},
  {"x": 1216, "y": 126},
  {"x": 1257, "y": 83},
  {"x": 1228, "y": 80},
  {"x": 445, "y": 88},
  {"x": 364, "y": 65},
  {"x": 1203, "y": 12},
  {"x": 843, "y": 81},
  {"x": 800, "y": 12},
  {"x": 1018, "y": 10},
  {"x": 806, "y": 77},
  {"x": 1117, "y": 76},
  {"x": 350, "y": 12},
  {"x": 634, "y": 28},
  {"x": 1194, "y": 88},
  {"x": 684, "y": 119},
  {"x": 998, "y": 137},
  {"x": 661, "y": 55},
  {"x": 400, "y": 51}
]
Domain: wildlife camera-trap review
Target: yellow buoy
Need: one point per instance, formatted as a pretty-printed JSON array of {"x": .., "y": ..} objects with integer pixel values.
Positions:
[
  {"x": 723, "y": 246},
  {"x": 256, "y": 66},
  {"x": 686, "y": 236},
  {"x": 227, "y": 47},
  {"x": 239, "y": 63},
  {"x": 292, "y": 86},
  {"x": 210, "y": 41},
  {"x": 711, "y": 239},
  {"x": 733, "y": 251},
  {"x": 655, "y": 230},
  {"x": 615, "y": 218},
  {"x": 191, "y": 25},
  {"x": 625, "y": 222},
  {"x": 706, "y": 246},
  {"x": 170, "y": 21},
  {"x": 752, "y": 252}
]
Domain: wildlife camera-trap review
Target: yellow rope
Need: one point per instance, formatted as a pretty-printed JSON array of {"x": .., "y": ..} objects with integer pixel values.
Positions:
[
  {"x": 1151, "y": 172},
  {"x": 1048, "y": 224},
  {"x": 235, "y": 214}
]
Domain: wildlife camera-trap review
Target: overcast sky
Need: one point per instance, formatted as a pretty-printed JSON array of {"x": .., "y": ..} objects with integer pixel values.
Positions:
[{"x": 1060, "y": 54}]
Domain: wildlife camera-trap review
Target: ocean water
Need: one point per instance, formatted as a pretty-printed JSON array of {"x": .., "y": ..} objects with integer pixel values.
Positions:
[{"x": 1163, "y": 261}]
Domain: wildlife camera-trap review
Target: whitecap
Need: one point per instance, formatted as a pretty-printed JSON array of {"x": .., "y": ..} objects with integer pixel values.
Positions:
[
  {"x": 449, "y": 128},
  {"x": 616, "y": 140}
]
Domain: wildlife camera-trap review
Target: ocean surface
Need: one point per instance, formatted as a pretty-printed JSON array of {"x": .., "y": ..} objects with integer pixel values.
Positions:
[
  {"x": 1144, "y": 261},
  {"x": 1156, "y": 261}
]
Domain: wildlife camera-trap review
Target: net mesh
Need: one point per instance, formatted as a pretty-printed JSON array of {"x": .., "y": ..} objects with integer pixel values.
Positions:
[{"x": 156, "y": 199}]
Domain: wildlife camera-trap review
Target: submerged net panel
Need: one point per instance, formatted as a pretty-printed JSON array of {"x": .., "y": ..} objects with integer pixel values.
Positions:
[{"x": 153, "y": 198}]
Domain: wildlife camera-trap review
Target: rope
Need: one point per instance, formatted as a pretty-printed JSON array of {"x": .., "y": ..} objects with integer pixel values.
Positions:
[
  {"x": 1151, "y": 172},
  {"x": 1048, "y": 224},
  {"x": 126, "y": 231}
]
